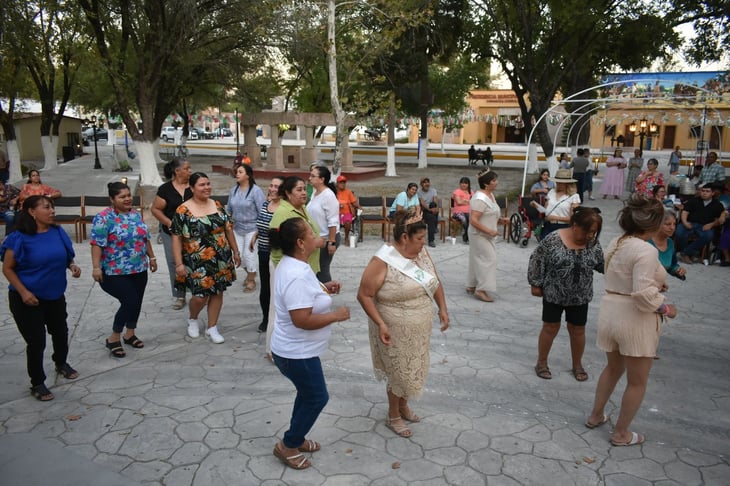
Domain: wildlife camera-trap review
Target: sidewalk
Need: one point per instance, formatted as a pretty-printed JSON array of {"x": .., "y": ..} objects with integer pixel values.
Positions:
[{"x": 188, "y": 412}]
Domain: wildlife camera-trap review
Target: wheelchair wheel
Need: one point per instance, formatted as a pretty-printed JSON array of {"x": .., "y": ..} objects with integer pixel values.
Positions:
[
  {"x": 524, "y": 242},
  {"x": 515, "y": 228}
]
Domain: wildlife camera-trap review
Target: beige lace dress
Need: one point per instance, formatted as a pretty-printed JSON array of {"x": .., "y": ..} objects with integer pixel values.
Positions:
[{"x": 408, "y": 312}]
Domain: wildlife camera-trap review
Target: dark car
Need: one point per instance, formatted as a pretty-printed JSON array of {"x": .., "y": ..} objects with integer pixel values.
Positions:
[
  {"x": 87, "y": 136},
  {"x": 226, "y": 132}
]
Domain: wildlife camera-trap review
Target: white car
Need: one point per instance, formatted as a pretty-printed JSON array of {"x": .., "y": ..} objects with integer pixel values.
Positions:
[{"x": 168, "y": 134}]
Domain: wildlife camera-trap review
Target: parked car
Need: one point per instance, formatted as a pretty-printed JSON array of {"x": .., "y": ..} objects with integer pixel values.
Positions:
[
  {"x": 198, "y": 134},
  {"x": 226, "y": 132},
  {"x": 87, "y": 136},
  {"x": 168, "y": 134}
]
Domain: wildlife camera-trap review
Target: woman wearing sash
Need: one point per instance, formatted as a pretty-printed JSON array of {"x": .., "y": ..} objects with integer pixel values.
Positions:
[{"x": 397, "y": 289}]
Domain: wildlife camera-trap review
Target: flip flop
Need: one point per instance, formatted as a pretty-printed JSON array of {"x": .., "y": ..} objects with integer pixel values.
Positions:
[
  {"x": 593, "y": 426},
  {"x": 636, "y": 439}
]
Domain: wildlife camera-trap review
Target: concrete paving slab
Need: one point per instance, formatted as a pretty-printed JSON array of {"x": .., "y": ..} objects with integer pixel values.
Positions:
[{"x": 187, "y": 412}]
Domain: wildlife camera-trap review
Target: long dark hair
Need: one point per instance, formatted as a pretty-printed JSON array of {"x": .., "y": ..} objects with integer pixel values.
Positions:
[
  {"x": 468, "y": 183},
  {"x": 325, "y": 174},
  {"x": 249, "y": 173},
  {"x": 286, "y": 235},
  {"x": 30, "y": 172},
  {"x": 26, "y": 223}
]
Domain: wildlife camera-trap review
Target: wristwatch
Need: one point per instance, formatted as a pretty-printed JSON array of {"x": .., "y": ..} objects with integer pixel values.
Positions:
[{"x": 331, "y": 243}]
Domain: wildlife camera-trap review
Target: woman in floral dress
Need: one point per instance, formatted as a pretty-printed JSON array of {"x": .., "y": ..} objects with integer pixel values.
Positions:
[
  {"x": 206, "y": 254},
  {"x": 647, "y": 180}
]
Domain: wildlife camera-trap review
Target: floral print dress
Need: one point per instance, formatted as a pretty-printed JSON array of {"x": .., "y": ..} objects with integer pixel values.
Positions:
[{"x": 206, "y": 254}]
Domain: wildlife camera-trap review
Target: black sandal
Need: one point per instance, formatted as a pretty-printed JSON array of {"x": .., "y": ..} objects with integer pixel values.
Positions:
[
  {"x": 134, "y": 341},
  {"x": 116, "y": 349},
  {"x": 41, "y": 393},
  {"x": 67, "y": 372}
]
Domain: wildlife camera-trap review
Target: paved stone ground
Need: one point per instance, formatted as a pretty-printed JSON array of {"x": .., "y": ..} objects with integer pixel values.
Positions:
[{"x": 187, "y": 412}]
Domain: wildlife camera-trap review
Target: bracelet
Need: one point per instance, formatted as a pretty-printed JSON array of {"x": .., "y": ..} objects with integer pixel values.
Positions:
[
  {"x": 663, "y": 309},
  {"x": 180, "y": 265},
  {"x": 152, "y": 258}
]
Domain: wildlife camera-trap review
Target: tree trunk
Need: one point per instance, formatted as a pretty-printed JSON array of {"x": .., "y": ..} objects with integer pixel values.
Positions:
[
  {"x": 390, "y": 151},
  {"x": 148, "y": 153},
  {"x": 49, "y": 143},
  {"x": 13, "y": 150},
  {"x": 334, "y": 89}
]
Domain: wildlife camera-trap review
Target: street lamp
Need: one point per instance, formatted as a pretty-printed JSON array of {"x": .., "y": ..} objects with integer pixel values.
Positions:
[
  {"x": 97, "y": 164},
  {"x": 645, "y": 130}
]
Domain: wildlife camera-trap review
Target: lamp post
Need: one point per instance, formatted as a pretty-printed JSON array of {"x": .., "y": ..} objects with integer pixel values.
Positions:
[
  {"x": 97, "y": 164},
  {"x": 645, "y": 130}
]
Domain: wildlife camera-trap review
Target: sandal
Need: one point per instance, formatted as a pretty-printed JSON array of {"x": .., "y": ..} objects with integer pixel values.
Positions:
[
  {"x": 470, "y": 290},
  {"x": 593, "y": 426},
  {"x": 543, "y": 372},
  {"x": 580, "y": 374},
  {"x": 67, "y": 372},
  {"x": 249, "y": 286},
  {"x": 116, "y": 349},
  {"x": 309, "y": 446},
  {"x": 396, "y": 425},
  {"x": 407, "y": 414},
  {"x": 134, "y": 341},
  {"x": 41, "y": 393},
  {"x": 297, "y": 461},
  {"x": 483, "y": 296},
  {"x": 636, "y": 439}
]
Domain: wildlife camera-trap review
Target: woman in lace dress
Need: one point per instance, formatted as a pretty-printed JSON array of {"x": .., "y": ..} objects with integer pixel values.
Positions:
[{"x": 396, "y": 292}]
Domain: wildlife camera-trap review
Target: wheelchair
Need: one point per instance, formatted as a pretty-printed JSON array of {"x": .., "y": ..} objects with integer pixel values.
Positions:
[{"x": 526, "y": 222}]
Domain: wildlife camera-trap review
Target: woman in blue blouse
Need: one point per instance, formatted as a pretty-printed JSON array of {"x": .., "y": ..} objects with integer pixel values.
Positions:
[
  {"x": 35, "y": 258},
  {"x": 405, "y": 199},
  {"x": 244, "y": 204},
  {"x": 120, "y": 250}
]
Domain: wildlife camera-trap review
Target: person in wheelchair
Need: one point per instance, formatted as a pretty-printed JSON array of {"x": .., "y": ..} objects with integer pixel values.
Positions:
[{"x": 560, "y": 203}]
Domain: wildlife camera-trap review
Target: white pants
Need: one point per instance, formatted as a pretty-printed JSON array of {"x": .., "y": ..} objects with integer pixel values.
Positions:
[{"x": 249, "y": 259}]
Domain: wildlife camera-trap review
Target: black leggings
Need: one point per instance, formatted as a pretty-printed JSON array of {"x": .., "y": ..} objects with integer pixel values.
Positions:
[
  {"x": 265, "y": 291},
  {"x": 129, "y": 291},
  {"x": 32, "y": 322}
]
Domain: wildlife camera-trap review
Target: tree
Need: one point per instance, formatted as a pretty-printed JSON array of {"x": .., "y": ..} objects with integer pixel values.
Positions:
[
  {"x": 50, "y": 50},
  {"x": 711, "y": 22},
  {"x": 155, "y": 54},
  {"x": 544, "y": 46}
]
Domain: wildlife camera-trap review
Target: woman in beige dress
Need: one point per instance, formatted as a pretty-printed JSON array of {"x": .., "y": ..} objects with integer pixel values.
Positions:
[
  {"x": 631, "y": 315},
  {"x": 397, "y": 289},
  {"x": 483, "y": 219}
]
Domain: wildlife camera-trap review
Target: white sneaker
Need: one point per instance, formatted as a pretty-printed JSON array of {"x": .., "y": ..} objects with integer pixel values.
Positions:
[
  {"x": 193, "y": 328},
  {"x": 592, "y": 198},
  {"x": 213, "y": 334}
]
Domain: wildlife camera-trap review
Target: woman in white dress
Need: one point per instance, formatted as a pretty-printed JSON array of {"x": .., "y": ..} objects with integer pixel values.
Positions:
[{"x": 483, "y": 220}]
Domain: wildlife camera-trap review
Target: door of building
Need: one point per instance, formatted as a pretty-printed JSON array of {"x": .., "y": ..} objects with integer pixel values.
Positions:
[{"x": 669, "y": 132}]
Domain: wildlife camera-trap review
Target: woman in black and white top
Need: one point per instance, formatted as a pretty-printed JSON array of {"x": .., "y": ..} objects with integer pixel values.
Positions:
[{"x": 561, "y": 272}]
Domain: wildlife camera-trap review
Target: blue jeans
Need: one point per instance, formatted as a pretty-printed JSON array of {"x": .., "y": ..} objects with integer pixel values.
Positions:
[
  {"x": 9, "y": 218},
  {"x": 129, "y": 291},
  {"x": 312, "y": 396},
  {"x": 692, "y": 249}
]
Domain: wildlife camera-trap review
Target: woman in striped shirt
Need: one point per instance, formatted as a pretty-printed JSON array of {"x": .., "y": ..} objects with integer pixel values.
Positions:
[{"x": 262, "y": 239}]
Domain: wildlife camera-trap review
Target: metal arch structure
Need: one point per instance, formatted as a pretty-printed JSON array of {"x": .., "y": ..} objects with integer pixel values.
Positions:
[{"x": 573, "y": 99}]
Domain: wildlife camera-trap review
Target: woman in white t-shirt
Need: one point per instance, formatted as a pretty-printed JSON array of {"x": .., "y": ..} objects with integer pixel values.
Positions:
[
  {"x": 560, "y": 202},
  {"x": 301, "y": 333}
]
